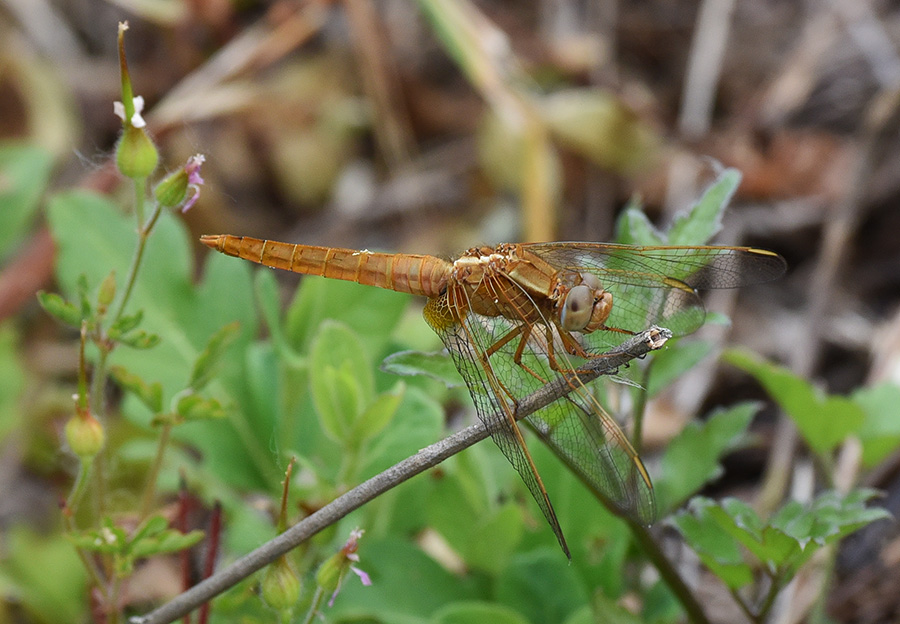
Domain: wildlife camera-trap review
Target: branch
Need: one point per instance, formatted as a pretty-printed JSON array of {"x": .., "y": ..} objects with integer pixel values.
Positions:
[{"x": 635, "y": 347}]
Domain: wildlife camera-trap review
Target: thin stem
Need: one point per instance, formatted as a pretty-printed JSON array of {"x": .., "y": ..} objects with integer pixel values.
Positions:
[
  {"x": 86, "y": 560},
  {"x": 143, "y": 234},
  {"x": 426, "y": 458},
  {"x": 78, "y": 488},
  {"x": 150, "y": 488},
  {"x": 640, "y": 406},
  {"x": 314, "y": 605}
]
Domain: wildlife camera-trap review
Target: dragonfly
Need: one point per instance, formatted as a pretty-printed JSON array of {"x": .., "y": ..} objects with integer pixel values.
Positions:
[{"x": 518, "y": 316}]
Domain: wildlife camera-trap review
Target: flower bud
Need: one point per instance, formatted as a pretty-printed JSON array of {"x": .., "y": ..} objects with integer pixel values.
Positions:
[
  {"x": 280, "y": 587},
  {"x": 136, "y": 155},
  {"x": 181, "y": 188},
  {"x": 85, "y": 435}
]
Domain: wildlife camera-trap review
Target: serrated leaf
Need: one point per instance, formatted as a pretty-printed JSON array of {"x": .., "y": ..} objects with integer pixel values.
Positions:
[
  {"x": 59, "y": 308},
  {"x": 436, "y": 365},
  {"x": 823, "y": 420},
  {"x": 150, "y": 395},
  {"x": 208, "y": 359},
  {"x": 692, "y": 459},
  {"x": 715, "y": 547},
  {"x": 634, "y": 228},
  {"x": 704, "y": 219}
]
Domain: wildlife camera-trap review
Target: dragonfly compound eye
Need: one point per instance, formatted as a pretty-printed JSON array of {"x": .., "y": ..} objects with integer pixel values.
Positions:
[{"x": 577, "y": 308}]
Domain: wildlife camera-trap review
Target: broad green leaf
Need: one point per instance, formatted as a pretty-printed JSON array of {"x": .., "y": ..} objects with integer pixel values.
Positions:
[
  {"x": 880, "y": 432},
  {"x": 24, "y": 173},
  {"x": 542, "y": 585},
  {"x": 340, "y": 378},
  {"x": 398, "y": 568},
  {"x": 60, "y": 309},
  {"x": 477, "y": 613},
  {"x": 149, "y": 394},
  {"x": 43, "y": 575},
  {"x": 704, "y": 219},
  {"x": 267, "y": 296},
  {"x": 692, "y": 459},
  {"x": 823, "y": 420},
  {"x": 379, "y": 413},
  {"x": 369, "y": 311},
  {"x": 436, "y": 365},
  {"x": 610, "y": 611}
]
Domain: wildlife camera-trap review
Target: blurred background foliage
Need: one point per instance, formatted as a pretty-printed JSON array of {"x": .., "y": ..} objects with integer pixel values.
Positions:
[{"x": 431, "y": 127}]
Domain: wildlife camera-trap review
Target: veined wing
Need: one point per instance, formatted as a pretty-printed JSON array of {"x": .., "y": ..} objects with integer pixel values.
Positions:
[
  {"x": 575, "y": 425},
  {"x": 658, "y": 284}
]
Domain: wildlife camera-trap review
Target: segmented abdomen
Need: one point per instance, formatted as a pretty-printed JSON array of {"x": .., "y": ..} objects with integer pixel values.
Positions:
[{"x": 409, "y": 273}]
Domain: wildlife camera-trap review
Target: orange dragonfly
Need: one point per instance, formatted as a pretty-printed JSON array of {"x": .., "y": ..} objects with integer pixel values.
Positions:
[{"x": 517, "y": 316}]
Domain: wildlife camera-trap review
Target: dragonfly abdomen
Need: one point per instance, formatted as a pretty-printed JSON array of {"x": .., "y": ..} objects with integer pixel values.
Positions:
[{"x": 410, "y": 273}]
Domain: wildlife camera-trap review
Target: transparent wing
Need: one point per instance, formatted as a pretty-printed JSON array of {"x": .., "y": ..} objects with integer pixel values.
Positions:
[
  {"x": 658, "y": 284},
  {"x": 575, "y": 425}
]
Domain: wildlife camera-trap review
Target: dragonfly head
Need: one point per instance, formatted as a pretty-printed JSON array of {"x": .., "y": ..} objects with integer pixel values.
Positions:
[{"x": 585, "y": 307}]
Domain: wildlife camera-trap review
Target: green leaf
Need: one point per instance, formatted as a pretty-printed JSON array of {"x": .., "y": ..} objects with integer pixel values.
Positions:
[
  {"x": 705, "y": 218},
  {"x": 139, "y": 339},
  {"x": 125, "y": 324},
  {"x": 542, "y": 585},
  {"x": 823, "y": 420},
  {"x": 43, "y": 575},
  {"x": 24, "y": 173},
  {"x": 206, "y": 362},
  {"x": 784, "y": 543},
  {"x": 59, "y": 308},
  {"x": 341, "y": 380},
  {"x": 673, "y": 361},
  {"x": 436, "y": 365},
  {"x": 477, "y": 613},
  {"x": 379, "y": 413},
  {"x": 880, "y": 433},
  {"x": 692, "y": 459},
  {"x": 372, "y": 313},
  {"x": 715, "y": 547},
  {"x": 149, "y": 394},
  {"x": 194, "y": 407},
  {"x": 266, "y": 287},
  {"x": 634, "y": 228}
]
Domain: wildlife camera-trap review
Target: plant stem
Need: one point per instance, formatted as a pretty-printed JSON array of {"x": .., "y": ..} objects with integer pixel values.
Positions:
[
  {"x": 314, "y": 606},
  {"x": 150, "y": 488}
]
